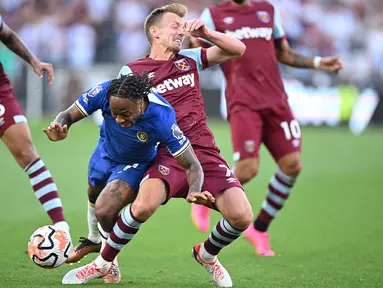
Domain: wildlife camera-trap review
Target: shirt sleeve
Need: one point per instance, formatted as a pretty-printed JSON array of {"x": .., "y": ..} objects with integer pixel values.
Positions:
[
  {"x": 278, "y": 32},
  {"x": 172, "y": 136},
  {"x": 1, "y": 23},
  {"x": 198, "y": 55},
  {"x": 125, "y": 71},
  {"x": 209, "y": 23},
  {"x": 93, "y": 99}
]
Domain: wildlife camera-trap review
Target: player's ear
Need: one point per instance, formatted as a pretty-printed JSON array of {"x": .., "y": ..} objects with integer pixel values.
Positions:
[{"x": 154, "y": 31}]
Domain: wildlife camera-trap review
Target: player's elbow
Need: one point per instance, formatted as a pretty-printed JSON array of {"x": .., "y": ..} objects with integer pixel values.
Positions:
[{"x": 241, "y": 49}]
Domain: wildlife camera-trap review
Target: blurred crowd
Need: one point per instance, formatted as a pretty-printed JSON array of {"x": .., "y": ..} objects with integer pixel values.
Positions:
[{"x": 80, "y": 33}]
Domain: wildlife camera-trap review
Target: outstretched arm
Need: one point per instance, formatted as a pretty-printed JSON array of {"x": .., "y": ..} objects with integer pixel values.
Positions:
[
  {"x": 195, "y": 177},
  {"x": 292, "y": 58},
  {"x": 58, "y": 129},
  {"x": 14, "y": 43}
]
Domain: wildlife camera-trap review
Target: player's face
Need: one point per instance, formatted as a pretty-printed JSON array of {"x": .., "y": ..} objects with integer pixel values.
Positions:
[
  {"x": 171, "y": 31},
  {"x": 125, "y": 111}
]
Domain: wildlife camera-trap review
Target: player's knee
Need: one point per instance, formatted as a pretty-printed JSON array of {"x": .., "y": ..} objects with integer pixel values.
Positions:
[
  {"x": 292, "y": 167},
  {"x": 246, "y": 169},
  {"x": 143, "y": 211},
  {"x": 241, "y": 220},
  {"x": 105, "y": 217},
  {"x": 25, "y": 154}
]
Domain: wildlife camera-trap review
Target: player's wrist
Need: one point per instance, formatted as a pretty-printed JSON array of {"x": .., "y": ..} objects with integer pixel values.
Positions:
[{"x": 317, "y": 62}]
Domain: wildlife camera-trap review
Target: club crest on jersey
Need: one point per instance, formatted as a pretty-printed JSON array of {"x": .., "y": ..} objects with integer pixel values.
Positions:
[
  {"x": 94, "y": 91},
  {"x": 142, "y": 136},
  {"x": 163, "y": 170},
  {"x": 249, "y": 146},
  {"x": 228, "y": 20},
  {"x": 263, "y": 16},
  {"x": 182, "y": 64}
]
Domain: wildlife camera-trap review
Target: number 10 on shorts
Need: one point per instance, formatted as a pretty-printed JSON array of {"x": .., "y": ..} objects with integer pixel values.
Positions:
[{"x": 292, "y": 129}]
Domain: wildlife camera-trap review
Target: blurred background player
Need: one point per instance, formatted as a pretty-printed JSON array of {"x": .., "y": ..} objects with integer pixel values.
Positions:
[
  {"x": 14, "y": 130},
  {"x": 257, "y": 104}
]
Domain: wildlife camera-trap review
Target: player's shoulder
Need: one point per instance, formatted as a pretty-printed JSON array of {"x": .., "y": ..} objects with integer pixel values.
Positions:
[
  {"x": 193, "y": 53},
  {"x": 158, "y": 102},
  {"x": 265, "y": 3},
  {"x": 134, "y": 66}
]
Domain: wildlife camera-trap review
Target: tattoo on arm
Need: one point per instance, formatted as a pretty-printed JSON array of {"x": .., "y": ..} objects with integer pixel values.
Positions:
[
  {"x": 14, "y": 43},
  {"x": 301, "y": 61},
  {"x": 290, "y": 57},
  {"x": 190, "y": 163},
  {"x": 69, "y": 116}
]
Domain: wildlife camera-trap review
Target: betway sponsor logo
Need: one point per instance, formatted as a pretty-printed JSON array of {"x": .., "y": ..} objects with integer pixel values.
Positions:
[
  {"x": 247, "y": 33},
  {"x": 170, "y": 84}
]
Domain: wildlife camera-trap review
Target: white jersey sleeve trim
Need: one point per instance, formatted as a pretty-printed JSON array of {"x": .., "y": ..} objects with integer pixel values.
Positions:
[
  {"x": 153, "y": 98},
  {"x": 182, "y": 150},
  {"x": 82, "y": 110}
]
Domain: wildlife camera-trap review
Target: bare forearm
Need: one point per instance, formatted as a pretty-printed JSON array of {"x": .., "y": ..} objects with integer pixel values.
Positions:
[
  {"x": 195, "y": 177},
  {"x": 295, "y": 59},
  {"x": 69, "y": 116},
  {"x": 228, "y": 44},
  {"x": 15, "y": 44},
  {"x": 190, "y": 163},
  {"x": 63, "y": 118}
]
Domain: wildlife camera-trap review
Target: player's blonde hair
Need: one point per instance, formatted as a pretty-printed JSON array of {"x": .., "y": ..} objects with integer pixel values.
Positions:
[{"x": 156, "y": 15}]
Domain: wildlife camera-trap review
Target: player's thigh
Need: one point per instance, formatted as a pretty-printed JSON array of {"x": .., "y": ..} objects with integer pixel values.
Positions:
[
  {"x": 218, "y": 176},
  {"x": 152, "y": 193},
  {"x": 115, "y": 196},
  {"x": 15, "y": 132},
  {"x": 121, "y": 189},
  {"x": 171, "y": 173},
  {"x": 99, "y": 169},
  {"x": 246, "y": 134},
  {"x": 282, "y": 133},
  {"x": 235, "y": 207}
]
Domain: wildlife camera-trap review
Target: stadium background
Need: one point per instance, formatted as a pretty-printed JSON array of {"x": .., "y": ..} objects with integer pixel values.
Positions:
[{"x": 330, "y": 233}]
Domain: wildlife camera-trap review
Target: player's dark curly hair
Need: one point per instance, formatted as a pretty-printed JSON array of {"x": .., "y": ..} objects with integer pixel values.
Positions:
[{"x": 132, "y": 86}]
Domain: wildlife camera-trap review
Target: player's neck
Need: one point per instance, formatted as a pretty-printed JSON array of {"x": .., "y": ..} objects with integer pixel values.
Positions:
[
  {"x": 245, "y": 3},
  {"x": 161, "y": 53}
]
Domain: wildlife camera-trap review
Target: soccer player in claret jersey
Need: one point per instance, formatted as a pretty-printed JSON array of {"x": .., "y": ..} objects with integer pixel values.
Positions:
[
  {"x": 135, "y": 120},
  {"x": 258, "y": 109},
  {"x": 175, "y": 73},
  {"x": 14, "y": 130}
]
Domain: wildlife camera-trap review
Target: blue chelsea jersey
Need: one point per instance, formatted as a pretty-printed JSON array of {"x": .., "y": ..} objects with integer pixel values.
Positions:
[{"x": 138, "y": 143}]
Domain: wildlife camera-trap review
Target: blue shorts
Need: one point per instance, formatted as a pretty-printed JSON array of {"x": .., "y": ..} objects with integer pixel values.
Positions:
[{"x": 102, "y": 170}]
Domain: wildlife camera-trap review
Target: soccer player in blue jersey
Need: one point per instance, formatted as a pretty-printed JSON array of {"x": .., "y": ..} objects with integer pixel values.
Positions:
[{"x": 136, "y": 119}]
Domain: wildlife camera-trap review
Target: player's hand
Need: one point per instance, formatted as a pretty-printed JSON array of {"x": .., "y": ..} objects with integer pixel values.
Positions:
[
  {"x": 331, "y": 64},
  {"x": 204, "y": 198},
  {"x": 56, "y": 131},
  {"x": 196, "y": 28},
  {"x": 40, "y": 67}
]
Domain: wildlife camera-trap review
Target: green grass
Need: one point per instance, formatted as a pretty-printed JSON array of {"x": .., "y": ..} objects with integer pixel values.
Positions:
[{"x": 330, "y": 234}]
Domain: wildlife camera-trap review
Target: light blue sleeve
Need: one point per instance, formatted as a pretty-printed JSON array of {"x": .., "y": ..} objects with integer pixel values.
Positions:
[
  {"x": 209, "y": 23},
  {"x": 195, "y": 54},
  {"x": 171, "y": 135},
  {"x": 278, "y": 29},
  {"x": 93, "y": 99}
]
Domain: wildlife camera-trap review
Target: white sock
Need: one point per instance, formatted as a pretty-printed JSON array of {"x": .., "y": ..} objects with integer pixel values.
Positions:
[
  {"x": 206, "y": 256},
  {"x": 104, "y": 236},
  {"x": 93, "y": 234},
  {"x": 63, "y": 225},
  {"x": 100, "y": 262}
]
